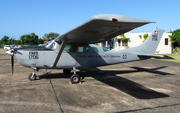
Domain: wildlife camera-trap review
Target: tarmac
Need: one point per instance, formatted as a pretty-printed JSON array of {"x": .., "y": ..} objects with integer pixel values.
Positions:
[{"x": 148, "y": 86}]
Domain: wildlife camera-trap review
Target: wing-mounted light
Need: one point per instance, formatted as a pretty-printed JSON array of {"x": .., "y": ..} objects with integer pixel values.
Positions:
[{"x": 114, "y": 20}]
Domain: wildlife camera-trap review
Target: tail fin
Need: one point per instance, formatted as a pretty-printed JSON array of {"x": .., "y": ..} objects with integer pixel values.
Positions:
[{"x": 151, "y": 43}]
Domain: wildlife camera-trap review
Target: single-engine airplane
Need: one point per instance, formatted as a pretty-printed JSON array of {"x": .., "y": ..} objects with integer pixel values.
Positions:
[{"x": 76, "y": 50}]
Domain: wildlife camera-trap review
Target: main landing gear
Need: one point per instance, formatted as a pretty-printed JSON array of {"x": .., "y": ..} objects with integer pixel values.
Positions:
[{"x": 75, "y": 78}]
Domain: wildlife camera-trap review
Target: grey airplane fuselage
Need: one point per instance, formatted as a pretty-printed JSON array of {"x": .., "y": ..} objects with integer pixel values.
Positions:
[
  {"x": 85, "y": 56},
  {"x": 59, "y": 55}
]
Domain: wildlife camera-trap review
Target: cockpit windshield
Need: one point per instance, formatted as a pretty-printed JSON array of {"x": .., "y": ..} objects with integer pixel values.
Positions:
[{"x": 51, "y": 44}]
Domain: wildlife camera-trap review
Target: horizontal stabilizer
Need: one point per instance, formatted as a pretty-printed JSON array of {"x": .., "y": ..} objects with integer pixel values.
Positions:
[{"x": 164, "y": 56}]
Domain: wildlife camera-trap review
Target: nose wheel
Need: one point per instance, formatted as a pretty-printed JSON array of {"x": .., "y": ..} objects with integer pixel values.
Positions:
[
  {"x": 32, "y": 77},
  {"x": 75, "y": 78}
]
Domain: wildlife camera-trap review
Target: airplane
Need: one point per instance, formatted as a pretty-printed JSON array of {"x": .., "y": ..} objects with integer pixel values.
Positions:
[{"x": 76, "y": 49}]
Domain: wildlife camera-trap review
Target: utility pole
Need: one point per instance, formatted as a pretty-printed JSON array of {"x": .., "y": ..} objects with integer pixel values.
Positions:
[{"x": 13, "y": 38}]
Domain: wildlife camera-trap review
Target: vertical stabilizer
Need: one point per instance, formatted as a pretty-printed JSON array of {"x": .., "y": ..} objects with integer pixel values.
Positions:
[{"x": 151, "y": 43}]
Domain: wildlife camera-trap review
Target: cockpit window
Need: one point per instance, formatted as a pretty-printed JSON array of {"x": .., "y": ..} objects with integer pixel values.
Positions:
[
  {"x": 105, "y": 49},
  {"x": 69, "y": 48},
  {"x": 84, "y": 49},
  {"x": 87, "y": 49}
]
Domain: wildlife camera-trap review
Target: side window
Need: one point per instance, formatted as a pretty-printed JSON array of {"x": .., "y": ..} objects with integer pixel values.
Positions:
[
  {"x": 69, "y": 48},
  {"x": 84, "y": 49},
  {"x": 105, "y": 49},
  {"x": 95, "y": 50},
  {"x": 80, "y": 49}
]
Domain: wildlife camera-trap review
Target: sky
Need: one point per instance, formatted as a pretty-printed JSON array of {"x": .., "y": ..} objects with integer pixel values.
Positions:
[{"x": 19, "y": 17}]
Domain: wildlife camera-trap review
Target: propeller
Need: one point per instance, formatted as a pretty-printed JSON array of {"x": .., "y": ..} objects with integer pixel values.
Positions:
[
  {"x": 12, "y": 63},
  {"x": 11, "y": 53},
  {"x": 12, "y": 59}
]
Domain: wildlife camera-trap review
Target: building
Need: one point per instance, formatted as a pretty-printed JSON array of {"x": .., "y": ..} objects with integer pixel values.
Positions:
[{"x": 135, "y": 39}]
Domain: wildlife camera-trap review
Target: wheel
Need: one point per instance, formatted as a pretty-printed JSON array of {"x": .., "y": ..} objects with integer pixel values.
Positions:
[
  {"x": 75, "y": 78},
  {"x": 66, "y": 71},
  {"x": 32, "y": 77}
]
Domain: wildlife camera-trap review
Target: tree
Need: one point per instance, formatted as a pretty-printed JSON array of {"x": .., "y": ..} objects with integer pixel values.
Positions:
[
  {"x": 17, "y": 42},
  {"x": 29, "y": 39},
  {"x": 40, "y": 41},
  {"x": 175, "y": 38},
  {"x": 10, "y": 41},
  {"x": 145, "y": 37},
  {"x": 123, "y": 37},
  {"x": 50, "y": 36},
  {"x": 4, "y": 40}
]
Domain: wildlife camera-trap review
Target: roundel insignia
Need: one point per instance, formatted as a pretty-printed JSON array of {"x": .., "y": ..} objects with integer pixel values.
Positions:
[{"x": 124, "y": 56}]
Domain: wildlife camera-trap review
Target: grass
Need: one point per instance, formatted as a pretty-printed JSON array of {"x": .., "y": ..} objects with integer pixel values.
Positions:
[
  {"x": 178, "y": 50},
  {"x": 176, "y": 57}
]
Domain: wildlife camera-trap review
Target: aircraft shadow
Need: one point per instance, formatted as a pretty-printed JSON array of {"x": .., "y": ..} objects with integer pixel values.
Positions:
[
  {"x": 153, "y": 70},
  {"x": 109, "y": 77}
]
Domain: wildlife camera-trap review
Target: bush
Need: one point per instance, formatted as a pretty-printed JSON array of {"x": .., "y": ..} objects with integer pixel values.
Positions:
[{"x": 176, "y": 50}]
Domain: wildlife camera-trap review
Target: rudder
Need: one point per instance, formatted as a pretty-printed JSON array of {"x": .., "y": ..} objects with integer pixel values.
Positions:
[{"x": 151, "y": 43}]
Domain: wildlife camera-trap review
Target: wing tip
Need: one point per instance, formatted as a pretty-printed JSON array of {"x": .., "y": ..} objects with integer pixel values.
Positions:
[{"x": 120, "y": 18}]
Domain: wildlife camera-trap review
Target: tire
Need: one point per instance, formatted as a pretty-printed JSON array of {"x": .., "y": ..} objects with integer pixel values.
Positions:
[
  {"x": 66, "y": 71},
  {"x": 75, "y": 78},
  {"x": 31, "y": 78}
]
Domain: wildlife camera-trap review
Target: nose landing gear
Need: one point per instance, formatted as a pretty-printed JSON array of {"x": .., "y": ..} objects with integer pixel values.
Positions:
[{"x": 32, "y": 76}]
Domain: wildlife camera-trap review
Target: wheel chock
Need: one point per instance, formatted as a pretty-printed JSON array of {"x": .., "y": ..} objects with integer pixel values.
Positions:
[{"x": 70, "y": 82}]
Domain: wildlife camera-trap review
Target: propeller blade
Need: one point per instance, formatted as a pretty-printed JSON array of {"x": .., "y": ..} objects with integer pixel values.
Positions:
[{"x": 12, "y": 63}]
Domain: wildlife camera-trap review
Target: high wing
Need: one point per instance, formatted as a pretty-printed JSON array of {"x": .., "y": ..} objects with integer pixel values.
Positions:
[
  {"x": 101, "y": 28},
  {"x": 98, "y": 29}
]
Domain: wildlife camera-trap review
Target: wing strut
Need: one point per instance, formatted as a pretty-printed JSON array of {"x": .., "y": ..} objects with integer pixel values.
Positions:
[{"x": 60, "y": 52}]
